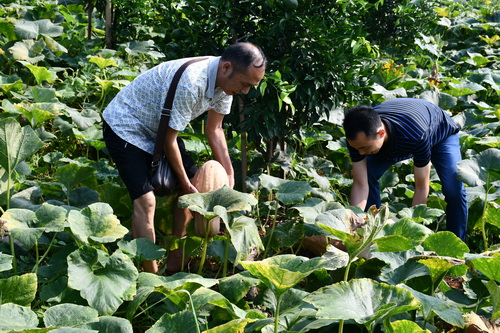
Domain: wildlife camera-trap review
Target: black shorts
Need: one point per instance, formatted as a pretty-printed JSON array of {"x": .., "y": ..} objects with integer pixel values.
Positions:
[{"x": 134, "y": 164}]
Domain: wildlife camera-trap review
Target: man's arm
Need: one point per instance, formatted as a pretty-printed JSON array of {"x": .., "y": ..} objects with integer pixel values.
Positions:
[
  {"x": 175, "y": 160},
  {"x": 217, "y": 141},
  {"x": 360, "y": 189},
  {"x": 422, "y": 180}
]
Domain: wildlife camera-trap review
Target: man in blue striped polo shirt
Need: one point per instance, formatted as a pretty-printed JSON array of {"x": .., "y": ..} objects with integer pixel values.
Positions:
[{"x": 399, "y": 129}]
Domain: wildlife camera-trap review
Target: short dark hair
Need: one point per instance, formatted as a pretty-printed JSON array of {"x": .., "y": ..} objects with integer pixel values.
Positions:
[
  {"x": 243, "y": 55},
  {"x": 361, "y": 119}
]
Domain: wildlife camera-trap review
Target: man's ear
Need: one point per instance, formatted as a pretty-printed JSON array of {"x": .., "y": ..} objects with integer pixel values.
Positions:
[
  {"x": 381, "y": 131},
  {"x": 227, "y": 68}
]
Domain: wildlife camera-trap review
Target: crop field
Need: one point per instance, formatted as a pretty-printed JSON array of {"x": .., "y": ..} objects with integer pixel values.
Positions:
[{"x": 291, "y": 255}]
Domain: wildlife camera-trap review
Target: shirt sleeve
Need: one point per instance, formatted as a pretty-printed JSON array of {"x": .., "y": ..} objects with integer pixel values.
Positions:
[
  {"x": 185, "y": 102},
  {"x": 223, "y": 105},
  {"x": 422, "y": 154}
]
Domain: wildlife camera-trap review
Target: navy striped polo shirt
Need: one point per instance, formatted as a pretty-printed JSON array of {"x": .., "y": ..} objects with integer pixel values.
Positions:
[{"x": 414, "y": 127}]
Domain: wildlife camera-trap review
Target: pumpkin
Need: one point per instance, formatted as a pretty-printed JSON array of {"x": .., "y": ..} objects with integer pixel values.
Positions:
[{"x": 211, "y": 176}]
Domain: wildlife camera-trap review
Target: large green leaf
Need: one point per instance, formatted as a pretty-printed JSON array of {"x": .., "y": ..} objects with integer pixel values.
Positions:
[
  {"x": 28, "y": 51},
  {"x": 32, "y": 29},
  {"x": 282, "y": 272},
  {"x": 40, "y": 73},
  {"x": 312, "y": 207},
  {"x": 108, "y": 324},
  {"x": 69, "y": 315},
  {"x": 12, "y": 82},
  {"x": 393, "y": 243},
  {"x": 27, "y": 226},
  {"x": 70, "y": 175},
  {"x": 270, "y": 182},
  {"x": 103, "y": 280},
  {"x": 205, "y": 296},
  {"x": 438, "y": 268},
  {"x": 244, "y": 233},
  {"x": 489, "y": 267},
  {"x": 102, "y": 62},
  {"x": 481, "y": 169},
  {"x": 184, "y": 321},
  {"x": 293, "y": 192},
  {"x": 233, "y": 326},
  {"x": 204, "y": 203},
  {"x": 19, "y": 290},
  {"x": 96, "y": 222},
  {"x": 148, "y": 283},
  {"x": 142, "y": 249},
  {"x": 421, "y": 213},
  {"x": 446, "y": 243},
  {"x": 5, "y": 262},
  {"x": 400, "y": 268},
  {"x": 407, "y": 228},
  {"x": 236, "y": 286},
  {"x": 494, "y": 290},
  {"x": 13, "y": 316},
  {"x": 362, "y": 300},
  {"x": 446, "y": 310},
  {"x": 407, "y": 326},
  {"x": 16, "y": 144}
]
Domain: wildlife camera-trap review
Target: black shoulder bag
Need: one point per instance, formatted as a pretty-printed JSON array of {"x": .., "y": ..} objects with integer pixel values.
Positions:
[{"x": 163, "y": 178}]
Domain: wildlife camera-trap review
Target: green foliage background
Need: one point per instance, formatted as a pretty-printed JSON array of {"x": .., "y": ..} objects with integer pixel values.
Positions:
[{"x": 64, "y": 206}]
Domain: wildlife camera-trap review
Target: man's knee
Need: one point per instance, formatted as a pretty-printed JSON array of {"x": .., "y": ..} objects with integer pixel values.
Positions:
[{"x": 145, "y": 203}]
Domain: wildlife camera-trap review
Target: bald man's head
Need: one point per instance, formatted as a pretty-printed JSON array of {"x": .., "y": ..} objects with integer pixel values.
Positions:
[{"x": 244, "y": 55}]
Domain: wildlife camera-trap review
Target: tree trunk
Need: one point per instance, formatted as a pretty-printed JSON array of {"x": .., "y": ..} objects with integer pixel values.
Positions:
[
  {"x": 243, "y": 148},
  {"x": 90, "y": 9},
  {"x": 109, "y": 23}
]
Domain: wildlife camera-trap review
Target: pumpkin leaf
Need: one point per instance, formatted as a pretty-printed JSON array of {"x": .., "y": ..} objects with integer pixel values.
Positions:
[
  {"x": 97, "y": 223},
  {"x": 103, "y": 280},
  {"x": 380, "y": 300}
]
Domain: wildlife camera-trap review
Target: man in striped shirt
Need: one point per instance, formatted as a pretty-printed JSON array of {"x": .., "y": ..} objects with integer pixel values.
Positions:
[{"x": 399, "y": 129}]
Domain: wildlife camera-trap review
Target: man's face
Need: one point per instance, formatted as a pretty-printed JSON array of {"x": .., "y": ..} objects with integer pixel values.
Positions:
[
  {"x": 236, "y": 83},
  {"x": 368, "y": 145}
]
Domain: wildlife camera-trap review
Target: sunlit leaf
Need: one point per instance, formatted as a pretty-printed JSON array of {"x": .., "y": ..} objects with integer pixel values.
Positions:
[
  {"x": 481, "y": 168},
  {"x": 5, "y": 262},
  {"x": 28, "y": 51},
  {"x": 10, "y": 289},
  {"x": 103, "y": 280},
  {"x": 283, "y": 272},
  {"x": 421, "y": 213},
  {"x": 182, "y": 321},
  {"x": 236, "y": 286},
  {"x": 312, "y": 207},
  {"x": 393, "y": 243},
  {"x": 97, "y": 223},
  {"x": 489, "y": 267},
  {"x": 407, "y": 326},
  {"x": 27, "y": 226},
  {"x": 204, "y": 203},
  {"x": 13, "y": 316},
  {"x": 142, "y": 248},
  {"x": 16, "y": 144},
  {"x": 362, "y": 300},
  {"x": 69, "y": 315},
  {"x": 446, "y": 243}
]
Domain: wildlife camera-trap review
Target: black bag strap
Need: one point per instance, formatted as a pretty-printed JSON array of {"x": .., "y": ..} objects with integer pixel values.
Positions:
[{"x": 165, "y": 112}]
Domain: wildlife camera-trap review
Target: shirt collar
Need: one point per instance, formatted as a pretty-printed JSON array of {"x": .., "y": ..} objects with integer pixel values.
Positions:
[{"x": 212, "y": 76}]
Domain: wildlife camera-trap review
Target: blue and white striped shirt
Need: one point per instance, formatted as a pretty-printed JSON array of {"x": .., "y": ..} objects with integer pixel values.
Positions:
[{"x": 414, "y": 127}]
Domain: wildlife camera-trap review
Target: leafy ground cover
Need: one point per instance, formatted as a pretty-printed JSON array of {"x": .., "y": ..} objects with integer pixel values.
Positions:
[{"x": 291, "y": 257}]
